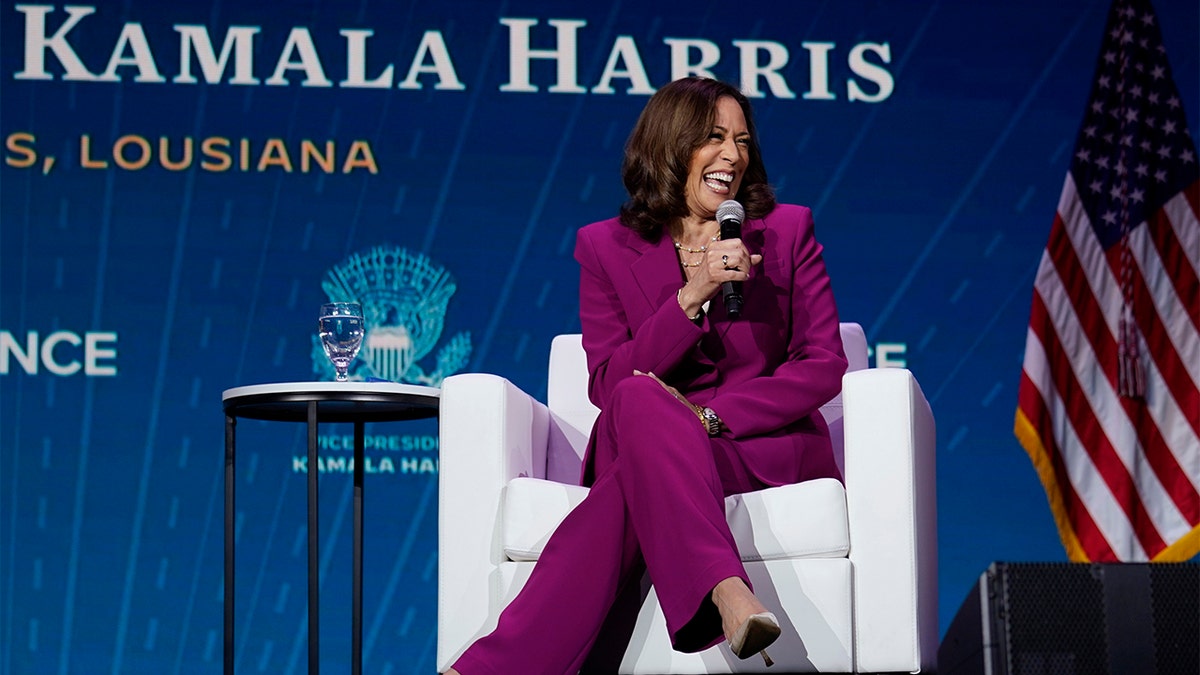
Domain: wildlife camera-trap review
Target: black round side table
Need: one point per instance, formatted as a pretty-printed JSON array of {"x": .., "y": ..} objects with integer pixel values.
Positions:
[{"x": 313, "y": 403}]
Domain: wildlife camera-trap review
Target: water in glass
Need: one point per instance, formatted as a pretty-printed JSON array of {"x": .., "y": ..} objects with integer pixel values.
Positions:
[{"x": 341, "y": 329}]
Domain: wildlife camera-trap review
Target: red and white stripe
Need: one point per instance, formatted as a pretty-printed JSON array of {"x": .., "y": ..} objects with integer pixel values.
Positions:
[{"x": 1122, "y": 474}]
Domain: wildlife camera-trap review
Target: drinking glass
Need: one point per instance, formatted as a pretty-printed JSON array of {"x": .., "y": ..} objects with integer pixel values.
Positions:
[{"x": 341, "y": 328}]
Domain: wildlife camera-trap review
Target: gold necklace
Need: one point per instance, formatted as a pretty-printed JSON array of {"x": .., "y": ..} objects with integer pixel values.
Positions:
[{"x": 680, "y": 247}]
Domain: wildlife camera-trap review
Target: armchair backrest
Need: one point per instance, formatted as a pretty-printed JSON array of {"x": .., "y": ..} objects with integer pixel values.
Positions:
[
  {"x": 566, "y": 392},
  {"x": 574, "y": 413},
  {"x": 854, "y": 343}
]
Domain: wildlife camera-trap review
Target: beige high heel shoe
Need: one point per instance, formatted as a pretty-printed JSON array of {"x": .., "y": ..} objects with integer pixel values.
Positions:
[{"x": 755, "y": 634}]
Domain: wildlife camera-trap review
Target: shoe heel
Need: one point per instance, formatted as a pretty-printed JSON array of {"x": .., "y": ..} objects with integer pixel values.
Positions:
[
  {"x": 755, "y": 635},
  {"x": 767, "y": 659}
]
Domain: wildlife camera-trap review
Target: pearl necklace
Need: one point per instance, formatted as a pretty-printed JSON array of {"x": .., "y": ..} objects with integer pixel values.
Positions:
[
  {"x": 702, "y": 249},
  {"x": 681, "y": 249}
]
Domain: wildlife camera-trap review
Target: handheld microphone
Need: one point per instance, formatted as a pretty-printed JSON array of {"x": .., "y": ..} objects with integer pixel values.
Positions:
[{"x": 730, "y": 215}]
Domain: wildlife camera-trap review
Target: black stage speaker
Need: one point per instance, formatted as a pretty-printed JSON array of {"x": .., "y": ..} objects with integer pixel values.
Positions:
[{"x": 1077, "y": 619}]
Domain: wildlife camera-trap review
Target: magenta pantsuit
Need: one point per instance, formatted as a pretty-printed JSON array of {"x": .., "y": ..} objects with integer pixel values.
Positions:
[{"x": 657, "y": 480}]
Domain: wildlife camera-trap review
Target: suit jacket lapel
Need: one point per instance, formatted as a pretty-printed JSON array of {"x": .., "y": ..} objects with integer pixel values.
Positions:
[{"x": 656, "y": 269}]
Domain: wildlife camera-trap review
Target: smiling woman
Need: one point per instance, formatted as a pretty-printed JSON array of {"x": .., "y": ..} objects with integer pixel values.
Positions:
[
  {"x": 683, "y": 124},
  {"x": 696, "y": 402},
  {"x": 717, "y": 165}
]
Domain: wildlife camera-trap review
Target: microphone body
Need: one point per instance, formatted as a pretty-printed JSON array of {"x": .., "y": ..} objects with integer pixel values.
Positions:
[{"x": 730, "y": 215}]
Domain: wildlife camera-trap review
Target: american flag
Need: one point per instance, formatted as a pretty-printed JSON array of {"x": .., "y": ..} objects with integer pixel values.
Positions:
[{"x": 1108, "y": 407}]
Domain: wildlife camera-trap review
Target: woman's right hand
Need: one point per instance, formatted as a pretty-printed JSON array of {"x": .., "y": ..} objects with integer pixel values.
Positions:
[{"x": 725, "y": 260}]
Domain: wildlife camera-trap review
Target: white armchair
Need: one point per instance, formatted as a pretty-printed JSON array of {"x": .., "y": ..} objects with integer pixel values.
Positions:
[{"x": 850, "y": 572}]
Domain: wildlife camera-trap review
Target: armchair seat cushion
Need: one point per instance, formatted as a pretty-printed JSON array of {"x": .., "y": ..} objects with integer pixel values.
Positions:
[
  {"x": 806, "y": 520},
  {"x": 532, "y": 509}
]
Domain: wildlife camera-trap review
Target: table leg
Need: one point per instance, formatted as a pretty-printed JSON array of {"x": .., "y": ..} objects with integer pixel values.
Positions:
[
  {"x": 356, "y": 630},
  {"x": 314, "y": 570},
  {"x": 230, "y": 478}
]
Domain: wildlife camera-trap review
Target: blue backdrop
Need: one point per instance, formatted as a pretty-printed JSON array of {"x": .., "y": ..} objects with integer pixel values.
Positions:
[{"x": 171, "y": 223}]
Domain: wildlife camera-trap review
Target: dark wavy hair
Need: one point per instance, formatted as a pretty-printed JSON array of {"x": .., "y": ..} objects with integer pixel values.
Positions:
[{"x": 674, "y": 124}]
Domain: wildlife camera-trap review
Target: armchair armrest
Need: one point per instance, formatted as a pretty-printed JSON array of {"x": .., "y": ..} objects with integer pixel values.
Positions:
[
  {"x": 489, "y": 433},
  {"x": 892, "y": 506}
]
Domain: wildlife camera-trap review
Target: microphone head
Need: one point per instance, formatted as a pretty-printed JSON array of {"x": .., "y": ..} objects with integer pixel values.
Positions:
[{"x": 730, "y": 209}]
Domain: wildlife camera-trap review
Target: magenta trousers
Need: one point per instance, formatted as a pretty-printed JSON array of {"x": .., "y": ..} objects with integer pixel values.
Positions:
[{"x": 657, "y": 507}]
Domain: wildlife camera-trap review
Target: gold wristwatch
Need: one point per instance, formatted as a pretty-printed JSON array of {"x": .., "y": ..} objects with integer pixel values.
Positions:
[{"x": 708, "y": 417}]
